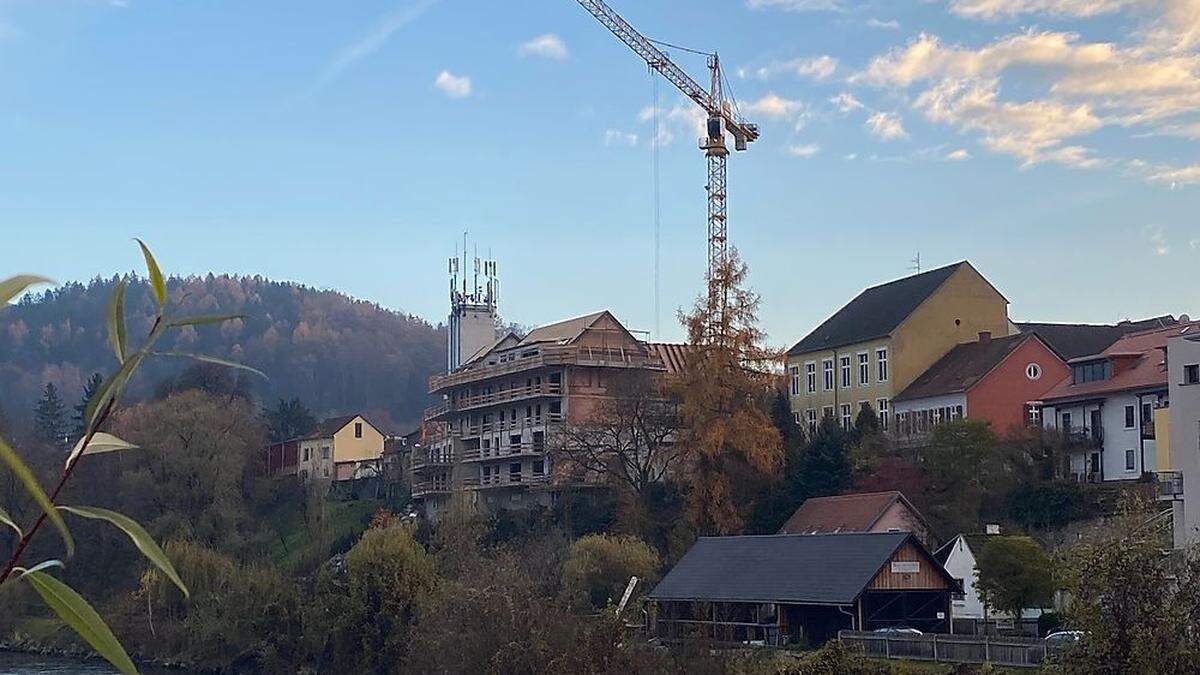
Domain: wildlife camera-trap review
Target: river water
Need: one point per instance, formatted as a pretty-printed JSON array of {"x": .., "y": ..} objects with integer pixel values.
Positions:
[{"x": 15, "y": 663}]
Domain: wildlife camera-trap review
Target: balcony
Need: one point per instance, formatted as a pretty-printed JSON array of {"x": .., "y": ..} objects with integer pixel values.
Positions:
[
  {"x": 540, "y": 357},
  {"x": 422, "y": 460},
  {"x": 504, "y": 452},
  {"x": 1148, "y": 430},
  {"x": 1170, "y": 485},
  {"x": 543, "y": 390},
  {"x": 520, "y": 424},
  {"x": 429, "y": 488},
  {"x": 505, "y": 480},
  {"x": 1083, "y": 437}
]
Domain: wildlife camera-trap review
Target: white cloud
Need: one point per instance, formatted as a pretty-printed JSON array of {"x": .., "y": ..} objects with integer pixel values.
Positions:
[
  {"x": 886, "y": 25},
  {"x": 887, "y": 126},
  {"x": 616, "y": 137},
  {"x": 846, "y": 103},
  {"x": 795, "y": 5},
  {"x": 1157, "y": 240},
  {"x": 548, "y": 46},
  {"x": 806, "y": 151},
  {"x": 815, "y": 67},
  {"x": 850, "y": 157},
  {"x": 1175, "y": 176},
  {"x": 994, "y": 9},
  {"x": 775, "y": 106},
  {"x": 372, "y": 41},
  {"x": 959, "y": 155},
  {"x": 454, "y": 86},
  {"x": 681, "y": 117}
]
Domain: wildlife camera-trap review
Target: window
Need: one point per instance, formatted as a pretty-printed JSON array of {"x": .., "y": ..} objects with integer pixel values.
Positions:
[
  {"x": 1147, "y": 413},
  {"x": 845, "y": 363},
  {"x": 864, "y": 369},
  {"x": 556, "y": 407},
  {"x": 1033, "y": 415},
  {"x": 358, "y": 429},
  {"x": 797, "y": 419},
  {"x": 847, "y": 412},
  {"x": 794, "y": 371},
  {"x": 828, "y": 364},
  {"x": 881, "y": 364},
  {"x": 1129, "y": 460},
  {"x": 1130, "y": 417},
  {"x": 1191, "y": 373},
  {"x": 1066, "y": 422},
  {"x": 324, "y": 453},
  {"x": 1091, "y": 372},
  {"x": 307, "y": 454},
  {"x": 1033, "y": 371},
  {"x": 539, "y": 467},
  {"x": 812, "y": 420},
  {"x": 810, "y": 374},
  {"x": 882, "y": 406}
]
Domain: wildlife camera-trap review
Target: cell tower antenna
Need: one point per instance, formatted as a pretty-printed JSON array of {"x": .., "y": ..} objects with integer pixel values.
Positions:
[{"x": 916, "y": 263}]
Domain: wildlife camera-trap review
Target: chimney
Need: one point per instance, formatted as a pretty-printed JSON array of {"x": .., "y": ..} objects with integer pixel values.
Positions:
[
  {"x": 993, "y": 528},
  {"x": 985, "y": 336}
]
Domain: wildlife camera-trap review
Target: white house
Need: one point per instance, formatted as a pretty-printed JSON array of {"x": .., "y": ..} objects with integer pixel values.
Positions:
[
  {"x": 1106, "y": 408},
  {"x": 1183, "y": 377},
  {"x": 958, "y": 557}
]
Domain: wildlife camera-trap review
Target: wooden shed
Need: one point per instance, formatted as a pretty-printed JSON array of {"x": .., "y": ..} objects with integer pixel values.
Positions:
[{"x": 801, "y": 589}]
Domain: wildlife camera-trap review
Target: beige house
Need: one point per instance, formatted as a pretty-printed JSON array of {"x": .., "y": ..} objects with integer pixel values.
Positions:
[
  {"x": 876, "y": 345},
  {"x": 341, "y": 448}
]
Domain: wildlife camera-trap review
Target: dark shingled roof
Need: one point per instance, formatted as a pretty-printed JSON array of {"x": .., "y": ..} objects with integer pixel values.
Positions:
[
  {"x": 876, "y": 312},
  {"x": 962, "y": 367},
  {"x": 828, "y": 569},
  {"x": 1073, "y": 340}
]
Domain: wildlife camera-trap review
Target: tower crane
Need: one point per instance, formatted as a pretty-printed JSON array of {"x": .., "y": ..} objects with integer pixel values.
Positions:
[{"x": 722, "y": 118}]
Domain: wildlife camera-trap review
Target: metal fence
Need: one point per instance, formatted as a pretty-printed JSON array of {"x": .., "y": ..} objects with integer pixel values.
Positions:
[{"x": 1007, "y": 651}]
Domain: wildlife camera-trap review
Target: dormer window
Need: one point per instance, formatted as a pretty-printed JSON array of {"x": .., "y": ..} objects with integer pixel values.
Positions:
[{"x": 1092, "y": 371}]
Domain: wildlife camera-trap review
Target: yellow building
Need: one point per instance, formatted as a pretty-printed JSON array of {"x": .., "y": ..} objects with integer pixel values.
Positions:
[
  {"x": 341, "y": 448},
  {"x": 888, "y": 335}
]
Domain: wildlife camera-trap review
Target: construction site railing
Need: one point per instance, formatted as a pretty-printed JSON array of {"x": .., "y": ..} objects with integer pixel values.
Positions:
[
  {"x": 547, "y": 356},
  {"x": 1000, "y": 651}
]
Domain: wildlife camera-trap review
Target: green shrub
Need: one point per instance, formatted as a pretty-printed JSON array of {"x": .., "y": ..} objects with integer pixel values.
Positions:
[{"x": 599, "y": 566}]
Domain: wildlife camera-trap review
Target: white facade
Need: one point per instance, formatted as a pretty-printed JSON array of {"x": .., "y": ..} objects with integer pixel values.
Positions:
[
  {"x": 960, "y": 563},
  {"x": 316, "y": 459},
  {"x": 1113, "y": 434},
  {"x": 916, "y": 417},
  {"x": 1183, "y": 352}
]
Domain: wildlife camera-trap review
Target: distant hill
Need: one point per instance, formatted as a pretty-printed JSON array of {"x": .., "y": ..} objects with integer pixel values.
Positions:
[{"x": 336, "y": 353}]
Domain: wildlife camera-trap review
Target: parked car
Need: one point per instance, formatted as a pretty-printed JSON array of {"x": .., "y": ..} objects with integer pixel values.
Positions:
[{"x": 892, "y": 630}]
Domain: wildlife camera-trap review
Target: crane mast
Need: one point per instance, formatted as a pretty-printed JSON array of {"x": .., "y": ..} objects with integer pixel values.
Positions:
[{"x": 722, "y": 118}]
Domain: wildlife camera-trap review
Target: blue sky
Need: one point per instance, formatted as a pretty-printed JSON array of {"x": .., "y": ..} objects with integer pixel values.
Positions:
[{"x": 1054, "y": 143}]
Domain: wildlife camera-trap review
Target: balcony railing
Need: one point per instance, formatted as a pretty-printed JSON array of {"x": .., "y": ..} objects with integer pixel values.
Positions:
[
  {"x": 1170, "y": 485},
  {"x": 518, "y": 424},
  {"x": 1084, "y": 437},
  {"x": 505, "y": 480},
  {"x": 504, "y": 452},
  {"x": 527, "y": 359},
  {"x": 423, "y": 460},
  {"x": 1148, "y": 429},
  {"x": 542, "y": 390},
  {"x": 423, "y": 488}
]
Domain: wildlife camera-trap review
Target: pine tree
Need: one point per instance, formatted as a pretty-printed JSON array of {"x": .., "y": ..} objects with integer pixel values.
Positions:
[
  {"x": 290, "y": 419},
  {"x": 826, "y": 460},
  {"x": 49, "y": 419},
  {"x": 724, "y": 391},
  {"x": 89, "y": 391}
]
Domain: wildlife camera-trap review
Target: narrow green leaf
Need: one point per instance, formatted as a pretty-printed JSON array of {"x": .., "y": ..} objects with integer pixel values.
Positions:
[
  {"x": 156, "y": 276},
  {"x": 213, "y": 359},
  {"x": 112, "y": 388},
  {"x": 14, "y": 286},
  {"x": 44, "y": 565},
  {"x": 6, "y": 519},
  {"x": 141, "y": 538},
  {"x": 116, "y": 321},
  {"x": 100, "y": 443},
  {"x": 204, "y": 319},
  {"x": 79, "y": 615},
  {"x": 23, "y": 474}
]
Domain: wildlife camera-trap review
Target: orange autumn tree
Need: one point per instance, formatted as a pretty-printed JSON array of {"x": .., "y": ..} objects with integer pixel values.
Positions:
[{"x": 733, "y": 447}]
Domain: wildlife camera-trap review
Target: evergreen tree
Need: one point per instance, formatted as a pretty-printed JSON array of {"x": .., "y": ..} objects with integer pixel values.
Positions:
[
  {"x": 49, "y": 418},
  {"x": 786, "y": 495},
  {"x": 825, "y": 465},
  {"x": 290, "y": 419},
  {"x": 89, "y": 392}
]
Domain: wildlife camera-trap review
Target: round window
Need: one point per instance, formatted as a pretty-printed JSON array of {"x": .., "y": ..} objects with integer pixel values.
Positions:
[{"x": 1033, "y": 371}]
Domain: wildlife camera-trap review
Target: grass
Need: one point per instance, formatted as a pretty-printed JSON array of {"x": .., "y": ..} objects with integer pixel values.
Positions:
[{"x": 300, "y": 545}]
